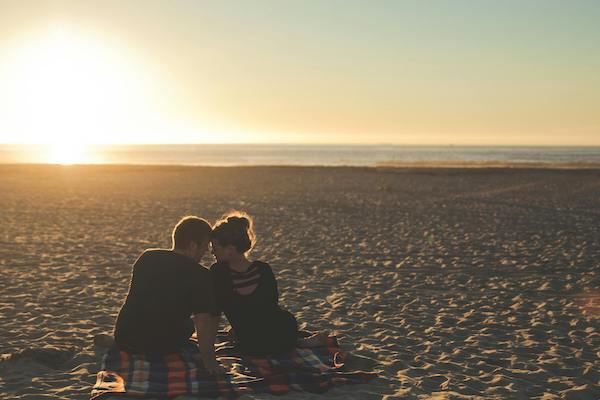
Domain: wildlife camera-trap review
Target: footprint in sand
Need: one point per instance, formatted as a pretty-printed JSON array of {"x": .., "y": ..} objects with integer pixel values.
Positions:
[{"x": 48, "y": 356}]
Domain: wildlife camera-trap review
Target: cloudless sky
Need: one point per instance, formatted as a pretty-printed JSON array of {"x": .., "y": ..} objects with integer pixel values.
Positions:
[{"x": 414, "y": 72}]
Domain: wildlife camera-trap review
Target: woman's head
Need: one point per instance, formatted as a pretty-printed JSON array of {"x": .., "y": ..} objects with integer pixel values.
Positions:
[{"x": 232, "y": 236}]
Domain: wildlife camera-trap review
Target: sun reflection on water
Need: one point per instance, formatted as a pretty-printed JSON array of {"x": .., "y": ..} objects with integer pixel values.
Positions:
[{"x": 67, "y": 154}]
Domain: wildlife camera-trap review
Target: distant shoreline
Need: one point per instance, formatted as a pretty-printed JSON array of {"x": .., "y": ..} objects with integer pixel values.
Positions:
[
  {"x": 487, "y": 164},
  {"x": 455, "y": 165},
  {"x": 280, "y": 155}
]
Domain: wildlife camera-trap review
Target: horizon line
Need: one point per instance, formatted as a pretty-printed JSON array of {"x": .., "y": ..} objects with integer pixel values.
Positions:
[{"x": 311, "y": 144}]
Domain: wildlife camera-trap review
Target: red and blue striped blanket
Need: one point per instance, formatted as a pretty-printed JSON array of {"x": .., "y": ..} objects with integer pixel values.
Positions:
[{"x": 151, "y": 376}]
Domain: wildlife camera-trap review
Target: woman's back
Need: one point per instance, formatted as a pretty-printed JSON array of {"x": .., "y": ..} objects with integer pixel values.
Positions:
[{"x": 249, "y": 299}]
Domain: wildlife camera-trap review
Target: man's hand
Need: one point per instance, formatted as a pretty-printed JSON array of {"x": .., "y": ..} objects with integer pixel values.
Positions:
[{"x": 206, "y": 332}]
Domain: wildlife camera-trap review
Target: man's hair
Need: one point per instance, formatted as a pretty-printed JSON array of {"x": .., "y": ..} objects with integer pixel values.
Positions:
[{"x": 190, "y": 229}]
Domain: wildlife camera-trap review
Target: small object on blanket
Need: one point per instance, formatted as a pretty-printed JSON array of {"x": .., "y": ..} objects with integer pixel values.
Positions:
[{"x": 306, "y": 369}]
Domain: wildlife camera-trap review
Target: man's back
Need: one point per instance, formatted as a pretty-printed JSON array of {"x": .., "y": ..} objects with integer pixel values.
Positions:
[{"x": 165, "y": 289}]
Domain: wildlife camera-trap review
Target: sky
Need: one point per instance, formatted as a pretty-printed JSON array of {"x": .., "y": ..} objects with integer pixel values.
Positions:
[{"x": 357, "y": 72}]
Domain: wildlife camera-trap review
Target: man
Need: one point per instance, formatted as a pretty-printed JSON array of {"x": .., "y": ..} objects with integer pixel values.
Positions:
[{"x": 166, "y": 288}]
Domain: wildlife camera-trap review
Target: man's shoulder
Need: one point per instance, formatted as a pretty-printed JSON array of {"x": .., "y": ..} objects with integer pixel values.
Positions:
[
  {"x": 202, "y": 271},
  {"x": 218, "y": 267},
  {"x": 150, "y": 255},
  {"x": 155, "y": 252},
  {"x": 166, "y": 257}
]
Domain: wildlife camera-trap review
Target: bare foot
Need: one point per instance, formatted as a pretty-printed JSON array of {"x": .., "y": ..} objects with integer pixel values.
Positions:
[
  {"x": 315, "y": 340},
  {"x": 104, "y": 340}
]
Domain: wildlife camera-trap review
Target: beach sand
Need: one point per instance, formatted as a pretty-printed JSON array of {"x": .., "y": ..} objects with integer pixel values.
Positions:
[{"x": 450, "y": 283}]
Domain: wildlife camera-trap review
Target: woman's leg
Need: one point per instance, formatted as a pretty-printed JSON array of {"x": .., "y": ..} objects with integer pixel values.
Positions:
[{"x": 276, "y": 335}]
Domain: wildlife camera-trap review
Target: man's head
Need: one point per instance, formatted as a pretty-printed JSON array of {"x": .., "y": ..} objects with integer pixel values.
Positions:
[{"x": 191, "y": 236}]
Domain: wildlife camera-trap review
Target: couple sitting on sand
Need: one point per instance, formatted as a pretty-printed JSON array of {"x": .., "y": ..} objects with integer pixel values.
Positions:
[{"x": 171, "y": 294}]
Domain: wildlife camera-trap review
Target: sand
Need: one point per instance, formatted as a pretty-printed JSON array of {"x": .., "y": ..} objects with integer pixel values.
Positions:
[{"x": 451, "y": 283}]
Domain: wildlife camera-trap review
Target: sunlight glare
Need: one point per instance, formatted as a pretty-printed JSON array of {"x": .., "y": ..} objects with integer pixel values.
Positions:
[
  {"x": 67, "y": 153},
  {"x": 72, "y": 86}
]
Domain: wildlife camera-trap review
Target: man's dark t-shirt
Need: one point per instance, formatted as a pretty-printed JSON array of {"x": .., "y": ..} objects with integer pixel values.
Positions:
[{"x": 166, "y": 289}]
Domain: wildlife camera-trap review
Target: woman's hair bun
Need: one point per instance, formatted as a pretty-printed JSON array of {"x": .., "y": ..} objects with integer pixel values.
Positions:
[
  {"x": 239, "y": 221},
  {"x": 235, "y": 228}
]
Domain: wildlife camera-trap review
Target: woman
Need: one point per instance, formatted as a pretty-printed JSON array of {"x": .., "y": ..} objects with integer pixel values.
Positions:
[{"x": 246, "y": 292}]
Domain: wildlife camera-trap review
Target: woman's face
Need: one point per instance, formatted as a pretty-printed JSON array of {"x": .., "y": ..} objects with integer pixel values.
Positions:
[{"x": 221, "y": 253}]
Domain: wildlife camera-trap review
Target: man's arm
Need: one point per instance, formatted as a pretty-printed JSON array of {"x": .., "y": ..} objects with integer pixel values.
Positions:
[{"x": 206, "y": 333}]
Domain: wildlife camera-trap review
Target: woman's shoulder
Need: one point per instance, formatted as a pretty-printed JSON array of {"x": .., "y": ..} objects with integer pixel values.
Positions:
[
  {"x": 219, "y": 268},
  {"x": 262, "y": 265}
]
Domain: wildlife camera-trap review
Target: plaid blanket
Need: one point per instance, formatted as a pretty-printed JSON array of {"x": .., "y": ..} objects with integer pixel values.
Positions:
[{"x": 306, "y": 369}]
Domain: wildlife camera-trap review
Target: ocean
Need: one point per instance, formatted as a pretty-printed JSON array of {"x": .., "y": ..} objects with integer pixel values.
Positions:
[{"x": 325, "y": 155}]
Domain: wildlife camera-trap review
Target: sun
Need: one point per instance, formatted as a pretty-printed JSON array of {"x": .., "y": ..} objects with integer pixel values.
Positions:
[
  {"x": 67, "y": 153},
  {"x": 68, "y": 88}
]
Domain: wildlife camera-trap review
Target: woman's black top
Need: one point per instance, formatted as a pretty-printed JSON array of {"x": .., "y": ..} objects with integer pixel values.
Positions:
[{"x": 261, "y": 327}]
